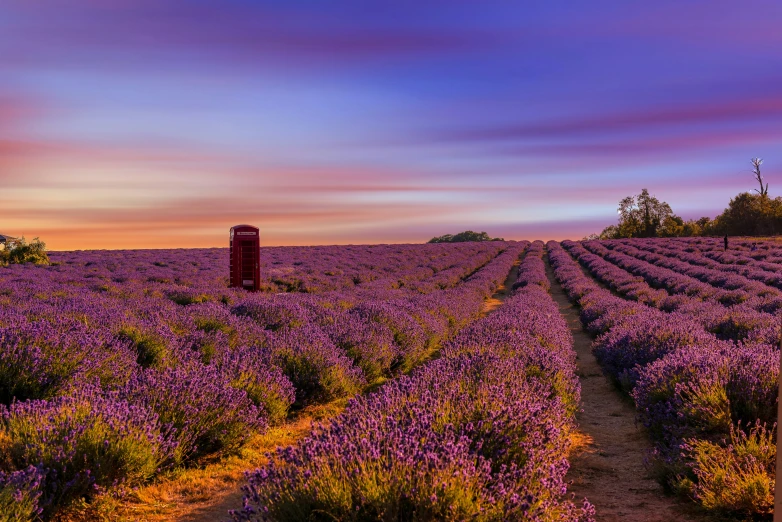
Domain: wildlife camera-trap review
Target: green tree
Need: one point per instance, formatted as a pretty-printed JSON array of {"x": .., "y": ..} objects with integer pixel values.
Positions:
[
  {"x": 609, "y": 232},
  {"x": 643, "y": 215},
  {"x": 750, "y": 215},
  {"x": 672, "y": 226},
  {"x": 696, "y": 227}
]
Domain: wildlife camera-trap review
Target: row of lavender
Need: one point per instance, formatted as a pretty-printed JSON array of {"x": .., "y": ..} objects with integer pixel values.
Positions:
[
  {"x": 382, "y": 267},
  {"x": 480, "y": 434},
  {"x": 106, "y": 387},
  {"x": 727, "y": 287},
  {"x": 740, "y": 251},
  {"x": 672, "y": 291},
  {"x": 751, "y": 271},
  {"x": 708, "y": 403},
  {"x": 759, "y": 265},
  {"x": 202, "y": 274}
]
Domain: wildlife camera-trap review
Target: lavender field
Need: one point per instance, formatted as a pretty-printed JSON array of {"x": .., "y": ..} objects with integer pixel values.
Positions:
[{"x": 119, "y": 366}]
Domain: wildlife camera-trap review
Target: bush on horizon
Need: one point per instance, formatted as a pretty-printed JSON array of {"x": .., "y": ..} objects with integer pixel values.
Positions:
[
  {"x": 22, "y": 252},
  {"x": 463, "y": 237}
]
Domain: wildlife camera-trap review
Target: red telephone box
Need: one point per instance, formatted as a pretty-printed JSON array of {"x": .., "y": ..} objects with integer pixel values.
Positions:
[{"x": 245, "y": 263}]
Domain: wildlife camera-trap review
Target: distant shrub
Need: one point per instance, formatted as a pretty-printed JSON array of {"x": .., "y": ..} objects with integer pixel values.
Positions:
[
  {"x": 22, "y": 252},
  {"x": 463, "y": 237}
]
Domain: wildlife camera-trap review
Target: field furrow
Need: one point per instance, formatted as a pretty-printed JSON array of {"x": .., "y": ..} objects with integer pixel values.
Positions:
[
  {"x": 607, "y": 461},
  {"x": 709, "y": 405}
]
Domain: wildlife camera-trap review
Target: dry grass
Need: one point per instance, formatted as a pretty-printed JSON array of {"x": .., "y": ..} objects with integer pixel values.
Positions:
[
  {"x": 579, "y": 443},
  {"x": 202, "y": 493},
  {"x": 503, "y": 291}
]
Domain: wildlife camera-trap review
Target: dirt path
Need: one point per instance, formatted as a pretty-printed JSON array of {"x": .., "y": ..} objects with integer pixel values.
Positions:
[
  {"x": 607, "y": 461},
  {"x": 206, "y": 494},
  {"x": 230, "y": 497},
  {"x": 503, "y": 292}
]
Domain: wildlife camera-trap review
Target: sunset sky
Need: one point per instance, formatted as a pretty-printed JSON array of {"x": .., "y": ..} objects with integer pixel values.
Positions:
[{"x": 149, "y": 123}]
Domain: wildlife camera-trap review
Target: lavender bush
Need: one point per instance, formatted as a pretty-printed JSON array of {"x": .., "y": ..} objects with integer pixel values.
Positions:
[
  {"x": 38, "y": 360},
  {"x": 20, "y": 493},
  {"x": 201, "y": 412},
  {"x": 80, "y": 442}
]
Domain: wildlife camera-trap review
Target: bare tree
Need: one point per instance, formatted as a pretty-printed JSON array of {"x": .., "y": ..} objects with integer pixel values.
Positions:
[{"x": 756, "y": 163}]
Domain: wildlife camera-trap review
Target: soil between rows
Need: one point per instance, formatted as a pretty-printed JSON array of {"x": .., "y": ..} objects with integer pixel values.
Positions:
[
  {"x": 607, "y": 460},
  {"x": 503, "y": 291}
]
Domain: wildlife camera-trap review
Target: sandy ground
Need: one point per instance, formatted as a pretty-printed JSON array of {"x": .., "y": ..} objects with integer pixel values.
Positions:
[
  {"x": 217, "y": 510},
  {"x": 607, "y": 461}
]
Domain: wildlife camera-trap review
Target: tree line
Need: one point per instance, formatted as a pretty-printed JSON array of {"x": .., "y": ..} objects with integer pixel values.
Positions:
[{"x": 748, "y": 214}]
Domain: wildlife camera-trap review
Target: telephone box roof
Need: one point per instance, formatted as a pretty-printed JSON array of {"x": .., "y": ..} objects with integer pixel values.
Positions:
[{"x": 244, "y": 226}]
